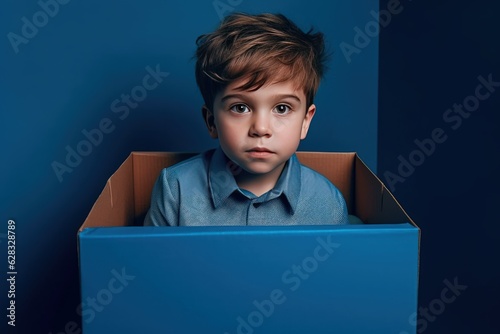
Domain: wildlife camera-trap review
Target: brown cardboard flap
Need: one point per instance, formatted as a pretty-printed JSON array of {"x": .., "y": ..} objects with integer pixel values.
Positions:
[
  {"x": 367, "y": 193},
  {"x": 126, "y": 197},
  {"x": 114, "y": 207},
  {"x": 374, "y": 203},
  {"x": 392, "y": 212},
  {"x": 147, "y": 168}
]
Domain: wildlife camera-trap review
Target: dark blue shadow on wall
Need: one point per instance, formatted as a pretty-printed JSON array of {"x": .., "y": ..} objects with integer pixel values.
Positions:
[{"x": 439, "y": 134}]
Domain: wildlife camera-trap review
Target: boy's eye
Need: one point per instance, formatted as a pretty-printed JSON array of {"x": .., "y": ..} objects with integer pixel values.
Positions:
[
  {"x": 282, "y": 109},
  {"x": 240, "y": 108}
]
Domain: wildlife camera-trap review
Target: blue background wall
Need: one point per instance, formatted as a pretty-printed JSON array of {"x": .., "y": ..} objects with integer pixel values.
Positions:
[{"x": 59, "y": 81}]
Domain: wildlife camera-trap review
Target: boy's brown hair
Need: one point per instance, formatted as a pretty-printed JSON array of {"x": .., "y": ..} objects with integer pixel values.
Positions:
[{"x": 261, "y": 49}]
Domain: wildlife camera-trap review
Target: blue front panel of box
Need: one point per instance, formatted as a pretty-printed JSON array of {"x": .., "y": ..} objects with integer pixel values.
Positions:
[{"x": 350, "y": 279}]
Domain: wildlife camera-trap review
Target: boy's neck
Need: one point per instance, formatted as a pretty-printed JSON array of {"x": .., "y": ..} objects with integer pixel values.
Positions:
[{"x": 259, "y": 184}]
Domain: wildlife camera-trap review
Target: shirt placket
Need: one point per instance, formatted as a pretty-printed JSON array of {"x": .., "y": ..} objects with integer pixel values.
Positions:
[{"x": 255, "y": 214}]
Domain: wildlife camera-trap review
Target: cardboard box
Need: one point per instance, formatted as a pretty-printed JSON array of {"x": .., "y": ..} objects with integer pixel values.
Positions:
[{"x": 281, "y": 279}]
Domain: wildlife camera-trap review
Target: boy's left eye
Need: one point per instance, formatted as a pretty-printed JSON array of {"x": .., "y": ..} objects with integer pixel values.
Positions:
[
  {"x": 239, "y": 108},
  {"x": 282, "y": 109}
]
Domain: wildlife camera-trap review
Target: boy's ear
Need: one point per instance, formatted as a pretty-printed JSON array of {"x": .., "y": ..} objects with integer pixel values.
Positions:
[
  {"x": 307, "y": 121},
  {"x": 209, "y": 119}
]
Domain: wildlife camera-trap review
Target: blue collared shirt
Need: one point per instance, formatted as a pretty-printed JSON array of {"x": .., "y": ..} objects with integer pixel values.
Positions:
[{"x": 202, "y": 191}]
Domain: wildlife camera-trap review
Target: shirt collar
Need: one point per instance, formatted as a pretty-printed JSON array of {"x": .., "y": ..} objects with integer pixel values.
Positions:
[
  {"x": 289, "y": 183},
  {"x": 222, "y": 183},
  {"x": 221, "y": 180}
]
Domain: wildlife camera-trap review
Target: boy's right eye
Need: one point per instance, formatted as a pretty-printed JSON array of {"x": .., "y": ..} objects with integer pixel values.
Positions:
[{"x": 239, "y": 108}]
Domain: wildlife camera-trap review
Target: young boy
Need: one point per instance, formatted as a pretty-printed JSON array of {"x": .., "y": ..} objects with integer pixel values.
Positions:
[{"x": 258, "y": 75}]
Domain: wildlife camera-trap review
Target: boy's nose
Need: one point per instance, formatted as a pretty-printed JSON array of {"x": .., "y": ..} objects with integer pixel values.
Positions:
[{"x": 261, "y": 126}]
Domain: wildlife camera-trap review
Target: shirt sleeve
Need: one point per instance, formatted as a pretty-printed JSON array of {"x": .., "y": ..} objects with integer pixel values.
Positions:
[
  {"x": 340, "y": 216},
  {"x": 164, "y": 209}
]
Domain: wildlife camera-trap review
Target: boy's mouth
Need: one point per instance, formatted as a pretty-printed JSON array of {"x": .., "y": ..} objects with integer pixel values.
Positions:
[{"x": 260, "y": 152}]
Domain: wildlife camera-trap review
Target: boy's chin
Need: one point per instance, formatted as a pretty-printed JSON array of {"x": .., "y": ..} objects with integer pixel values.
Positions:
[{"x": 260, "y": 168}]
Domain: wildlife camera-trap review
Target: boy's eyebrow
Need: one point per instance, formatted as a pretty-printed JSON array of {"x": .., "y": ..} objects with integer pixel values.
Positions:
[{"x": 277, "y": 97}]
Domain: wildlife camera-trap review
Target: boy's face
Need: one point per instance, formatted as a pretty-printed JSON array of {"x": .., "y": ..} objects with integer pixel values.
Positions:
[{"x": 260, "y": 130}]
